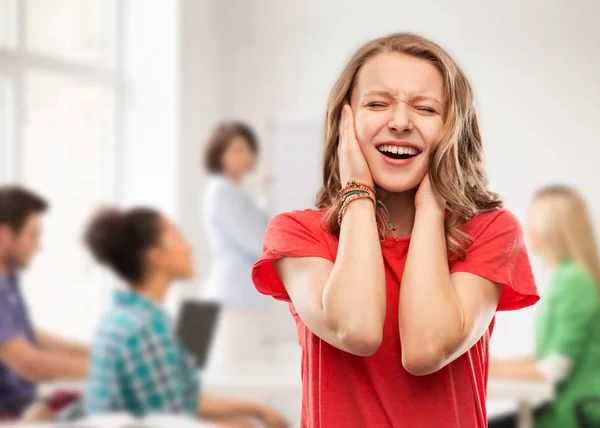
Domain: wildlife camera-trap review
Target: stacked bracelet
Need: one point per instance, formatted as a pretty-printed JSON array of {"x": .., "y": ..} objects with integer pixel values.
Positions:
[{"x": 353, "y": 191}]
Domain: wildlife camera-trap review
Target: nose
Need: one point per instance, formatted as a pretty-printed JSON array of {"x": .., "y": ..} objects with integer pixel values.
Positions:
[{"x": 401, "y": 121}]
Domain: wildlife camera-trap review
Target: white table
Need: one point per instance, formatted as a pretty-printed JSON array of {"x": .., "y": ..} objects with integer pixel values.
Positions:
[
  {"x": 276, "y": 377},
  {"x": 282, "y": 382},
  {"x": 124, "y": 421},
  {"x": 525, "y": 393},
  {"x": 278, "y": 384}
]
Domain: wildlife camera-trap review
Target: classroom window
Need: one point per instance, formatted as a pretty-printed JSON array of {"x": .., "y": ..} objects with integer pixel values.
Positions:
[{"x": 58, "y": 103}]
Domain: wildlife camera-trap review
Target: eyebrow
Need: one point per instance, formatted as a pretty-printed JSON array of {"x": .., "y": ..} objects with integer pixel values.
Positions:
[
  {"x": 389, "y": 94},
  {"x": 381, "y": 92},
  {"x": 426, "y": 98}
]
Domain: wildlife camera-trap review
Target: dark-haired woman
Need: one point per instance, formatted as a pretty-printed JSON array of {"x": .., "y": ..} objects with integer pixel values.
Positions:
[
  {"x": 137, "y": 364},
  {"x": 235, "y": 225}
]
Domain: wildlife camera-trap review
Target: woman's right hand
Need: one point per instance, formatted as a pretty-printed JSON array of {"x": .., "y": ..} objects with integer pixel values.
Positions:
[{"x": 353, "y": 165}]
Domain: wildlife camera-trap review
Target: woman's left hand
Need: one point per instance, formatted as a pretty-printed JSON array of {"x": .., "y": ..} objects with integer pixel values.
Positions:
[{"x": 426, "y": 196}]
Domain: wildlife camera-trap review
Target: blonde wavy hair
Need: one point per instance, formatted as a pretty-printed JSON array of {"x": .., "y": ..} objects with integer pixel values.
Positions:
[
  {"x": 457, "y": 155},
  {"x": 565, "y": 228}
]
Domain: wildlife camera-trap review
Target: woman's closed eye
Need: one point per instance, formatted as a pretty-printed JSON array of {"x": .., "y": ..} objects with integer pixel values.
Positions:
[
  {"x": 376, "y": 104},
  {"x": 426, "y": 109}
]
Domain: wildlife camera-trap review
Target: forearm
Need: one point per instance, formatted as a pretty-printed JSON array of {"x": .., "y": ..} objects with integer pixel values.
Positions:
[
  {"x": 49, "y": 366},
  {"x": 212, "y": 407},
  {"x": 51, "y": 342},
  {"x": 518, "y": 369},
  {"x": 524, "y": 359},
  {"x": 354, "y": 296},
  {"x": 430, "y": 316}
]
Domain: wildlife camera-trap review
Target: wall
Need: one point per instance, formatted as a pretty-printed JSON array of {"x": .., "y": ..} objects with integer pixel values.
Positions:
[
  {"x": 534, "y": 67},
  {"x": 201, "y": 103},
  {"x": 148, "y": 167}
]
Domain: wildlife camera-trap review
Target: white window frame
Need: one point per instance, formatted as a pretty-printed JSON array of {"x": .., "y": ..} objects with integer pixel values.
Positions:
[{"x": 15, "y": 62}]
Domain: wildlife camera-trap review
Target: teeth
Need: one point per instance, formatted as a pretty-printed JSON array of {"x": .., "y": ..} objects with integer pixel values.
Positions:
[{"x": 398, "y": 150}]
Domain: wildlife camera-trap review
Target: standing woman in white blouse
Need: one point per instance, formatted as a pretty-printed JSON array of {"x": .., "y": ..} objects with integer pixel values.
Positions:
[{"x": 235, "y": 225}]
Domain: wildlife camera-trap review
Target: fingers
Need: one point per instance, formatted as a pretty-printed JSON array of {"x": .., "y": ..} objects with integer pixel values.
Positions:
[
  {"x": 342, "y": 126},
  {"x": 348, "y": 123},
  {"x": 346, "y": 126},
  {"x": 350, "y": 132}
]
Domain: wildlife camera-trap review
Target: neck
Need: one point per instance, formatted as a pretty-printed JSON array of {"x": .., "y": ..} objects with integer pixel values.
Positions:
[
  {"x": 553, "y": 261},
  {"x": 4, "y": 268},
  {"x": 401, "y": 207},
  {"x": 154, "y": 287},
  {"x": 235, "y": 178}
]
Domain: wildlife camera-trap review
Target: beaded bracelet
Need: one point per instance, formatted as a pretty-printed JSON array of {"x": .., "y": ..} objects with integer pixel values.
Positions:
[
  {"x": 356, "y": 190},
  {"x": 356, "y": 185},
  {"x": 351, "y": 192},
  {"x": 347, "y": 201}
]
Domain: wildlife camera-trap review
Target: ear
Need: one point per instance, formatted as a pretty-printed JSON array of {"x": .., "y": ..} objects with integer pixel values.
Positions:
[{"x": 153, "y": 257}]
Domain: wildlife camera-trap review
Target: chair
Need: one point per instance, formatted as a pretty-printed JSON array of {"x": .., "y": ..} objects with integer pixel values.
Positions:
[{"x": 584, "y": 408}]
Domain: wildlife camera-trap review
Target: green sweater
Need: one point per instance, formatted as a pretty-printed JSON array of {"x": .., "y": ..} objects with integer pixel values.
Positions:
[{"x": 568, "y": 323}]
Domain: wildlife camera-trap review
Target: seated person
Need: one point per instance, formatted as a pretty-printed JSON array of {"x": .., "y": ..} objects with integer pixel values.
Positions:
[
  {"x": 27, "y": 356},
  {"x": 138, "y": 365},
  {"x": 568, "y": 321}
]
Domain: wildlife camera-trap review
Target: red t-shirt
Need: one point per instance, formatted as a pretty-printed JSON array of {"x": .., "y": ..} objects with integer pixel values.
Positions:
[{"x": 347, "y": 391}]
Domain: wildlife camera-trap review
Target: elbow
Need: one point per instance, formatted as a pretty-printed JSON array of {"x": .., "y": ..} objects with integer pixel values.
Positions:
[
  {"x": 362, "y": 341},
  {"x": 423, "y": 360},
  {"x": 358, "y": 332}
]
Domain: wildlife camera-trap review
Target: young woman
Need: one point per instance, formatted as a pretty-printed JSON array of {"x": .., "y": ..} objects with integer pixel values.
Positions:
[
  {"x": 568, "y": 321},
  {"x": 235, "y": 225},
  {"x": 395, "y": 280},
  {"x": 137, "y": 364}
]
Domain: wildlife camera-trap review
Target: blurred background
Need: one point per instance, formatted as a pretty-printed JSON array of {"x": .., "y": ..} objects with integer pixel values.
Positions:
[{"x": 110, "y": 102}]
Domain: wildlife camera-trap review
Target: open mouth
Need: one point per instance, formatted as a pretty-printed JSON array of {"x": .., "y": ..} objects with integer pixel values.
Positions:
[{"x": 395, "y": 152}]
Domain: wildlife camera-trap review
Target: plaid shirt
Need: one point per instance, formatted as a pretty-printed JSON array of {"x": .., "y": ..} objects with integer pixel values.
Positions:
[{"x": 137, "y": 364}]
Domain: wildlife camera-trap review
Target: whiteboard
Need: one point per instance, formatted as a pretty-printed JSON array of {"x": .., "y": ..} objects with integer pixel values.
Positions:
[{"x": 297, "y": 142}]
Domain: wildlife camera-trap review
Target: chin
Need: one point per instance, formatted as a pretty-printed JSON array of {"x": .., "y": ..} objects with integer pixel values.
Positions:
[
  {"x": 189, "y": 274},
  {"x": 397, "y": 179},
  {"x": 397, "y": 188},
  {"x": 397, "y": 185}
]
